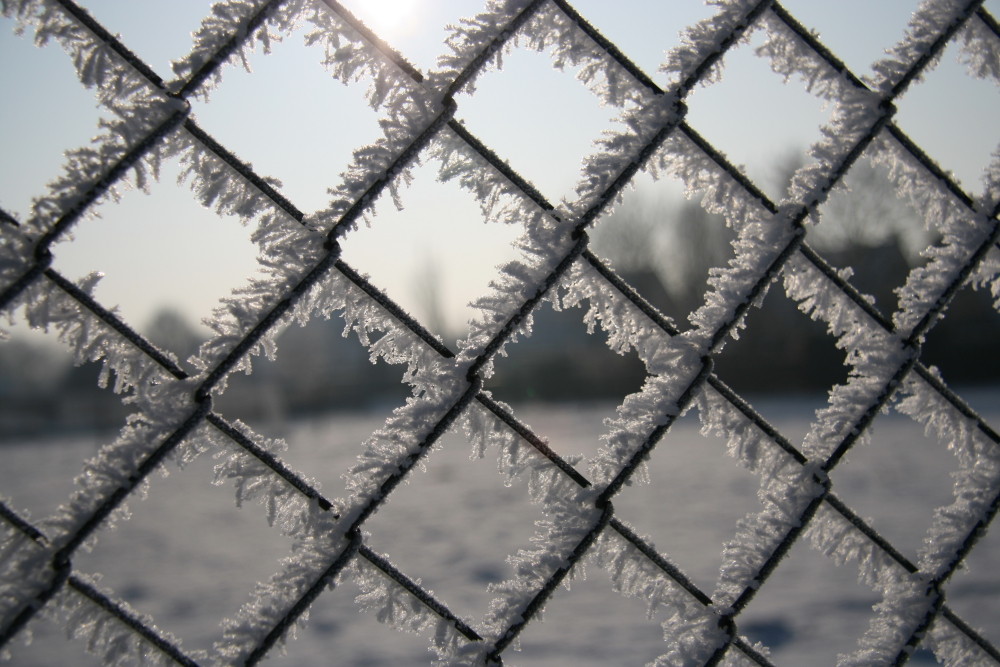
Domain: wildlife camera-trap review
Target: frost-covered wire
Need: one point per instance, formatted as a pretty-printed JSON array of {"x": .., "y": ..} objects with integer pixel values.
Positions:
[{"x": 306, "y": 277}]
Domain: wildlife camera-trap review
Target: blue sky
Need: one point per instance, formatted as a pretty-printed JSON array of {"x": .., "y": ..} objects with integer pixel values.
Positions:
[{"x": 293, "y": 121}]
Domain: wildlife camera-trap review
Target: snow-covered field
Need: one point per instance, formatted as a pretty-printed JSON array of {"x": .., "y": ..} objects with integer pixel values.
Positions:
[{"x": 188, "y": 557}]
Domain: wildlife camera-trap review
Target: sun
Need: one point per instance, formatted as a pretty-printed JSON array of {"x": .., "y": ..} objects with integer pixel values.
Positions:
[{"x": 388, "y": 18}]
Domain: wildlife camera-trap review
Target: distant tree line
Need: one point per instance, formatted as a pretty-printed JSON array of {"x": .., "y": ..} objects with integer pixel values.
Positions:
[
  {"x": 664, "y": 250},
  {"x": 317, "y": 370}
]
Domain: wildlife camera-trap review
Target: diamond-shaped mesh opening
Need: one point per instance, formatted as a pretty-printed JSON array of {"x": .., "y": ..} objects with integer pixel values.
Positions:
[
  {"x": 897, "y": 480},
  {"x": 663, "y": 245},
  {"x": 182, "y": 556},
  {"x": 127, "y": 242},
  {"x": 325, "y": 446},
  {"x": 691, "y": 471},
  {"x": 441, "y": 527},
  {"x": 953, "y": 117},
  {"x": 428, "y": 256},
  {"x": 298, "y": 124},
  {"x": 776, "y": 119},
  {"x": 782, "y": 350},
  {"x": 530, "y": 105},
  {"x": 864, "y": 225}
]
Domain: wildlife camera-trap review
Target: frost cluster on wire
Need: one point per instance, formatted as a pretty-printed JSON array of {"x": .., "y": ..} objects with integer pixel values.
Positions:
[{"x": 302, "y": 277}]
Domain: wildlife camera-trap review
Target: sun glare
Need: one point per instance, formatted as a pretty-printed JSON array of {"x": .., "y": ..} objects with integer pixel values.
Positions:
[{"x": 388, "y": 18}]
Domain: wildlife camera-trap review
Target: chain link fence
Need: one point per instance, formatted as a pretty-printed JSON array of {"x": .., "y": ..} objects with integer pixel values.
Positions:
[{"x": 306, "y": 277}]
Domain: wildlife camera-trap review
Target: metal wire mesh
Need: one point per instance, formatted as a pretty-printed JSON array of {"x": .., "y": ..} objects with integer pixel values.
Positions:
[{"x": 177, "y": 410}]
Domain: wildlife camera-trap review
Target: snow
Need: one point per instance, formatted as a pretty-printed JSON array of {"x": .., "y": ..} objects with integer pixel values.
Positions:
[
  {"x": 300, "y": 280},
  {"x": 336, "y": 622}
]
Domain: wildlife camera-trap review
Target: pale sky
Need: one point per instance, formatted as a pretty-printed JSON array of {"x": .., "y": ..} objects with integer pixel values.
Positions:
[{"x": 293, "y": 121}]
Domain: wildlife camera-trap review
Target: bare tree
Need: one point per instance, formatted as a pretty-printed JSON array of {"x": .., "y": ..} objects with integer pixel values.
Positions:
[
  {"x": 426, "y": 289},
  {"x": 675, "y": 238},
  {"x": 631, "y": 237},
  {"x": 170, "y": 330},
  {"x": 863, "y": 211}
]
